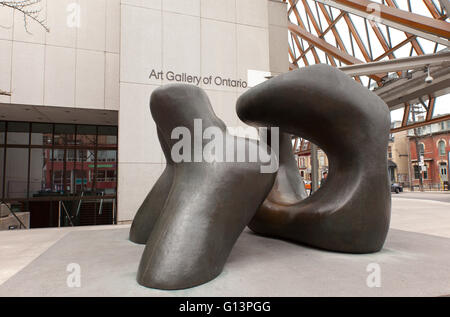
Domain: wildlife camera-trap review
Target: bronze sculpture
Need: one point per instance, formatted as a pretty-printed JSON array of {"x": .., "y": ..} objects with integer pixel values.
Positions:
[
  {"x": 197, "y": 210},
  {"x": 351, "y": 212}
]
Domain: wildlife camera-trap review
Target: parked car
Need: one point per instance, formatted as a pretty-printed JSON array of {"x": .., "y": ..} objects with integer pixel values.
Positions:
[{"x": 396, "y": 188}]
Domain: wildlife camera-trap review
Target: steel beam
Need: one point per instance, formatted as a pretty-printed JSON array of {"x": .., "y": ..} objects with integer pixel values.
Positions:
[
  {"x": 427, "y": 28},
  {"x": 399, "y": 64},
  {"x": 410, "y": 90}
]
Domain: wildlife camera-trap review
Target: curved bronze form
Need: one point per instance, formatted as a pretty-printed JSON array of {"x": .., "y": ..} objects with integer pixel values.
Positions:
[
  {"x": 289, "y": 187},
  {"x": 151, "y": 208},
  {"x": 351, "y": 212},
  {"x": 197, "y": 210}
]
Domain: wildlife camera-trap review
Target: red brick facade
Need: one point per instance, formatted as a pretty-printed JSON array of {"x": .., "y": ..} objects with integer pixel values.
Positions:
[{"x": 435, "y": 157}]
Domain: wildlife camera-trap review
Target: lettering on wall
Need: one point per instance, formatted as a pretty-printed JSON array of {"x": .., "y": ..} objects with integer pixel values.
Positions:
[{"x": 197, "y": 80}]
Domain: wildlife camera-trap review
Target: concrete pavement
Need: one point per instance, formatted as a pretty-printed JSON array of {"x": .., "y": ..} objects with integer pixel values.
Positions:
[{"x": 414, "y": 261}]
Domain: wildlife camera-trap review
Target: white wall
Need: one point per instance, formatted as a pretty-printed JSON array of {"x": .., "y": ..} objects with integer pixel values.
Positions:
[
  {"x": 74, "y": 65},
  {"x": 200, "y": 37}
]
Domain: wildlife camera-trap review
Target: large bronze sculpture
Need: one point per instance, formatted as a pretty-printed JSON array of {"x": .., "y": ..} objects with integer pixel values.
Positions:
[
  {"x": 151, "y": 208},
  {"x": 194, "y": 214},
  {"x": 351, "y": 212},
  {"x": 197, "y": 210}
]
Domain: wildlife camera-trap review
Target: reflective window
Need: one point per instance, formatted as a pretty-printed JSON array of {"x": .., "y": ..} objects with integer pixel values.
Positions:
[
  {"x": 64, "y": 134},
  {"x": 441, "y": 147},
  {"x": 18, "y": 133},
  {"x": 16, "y": 176},
  {"x": 44, "y": 159},
  {"x": 41, "y": 163},
  {"x": 107, "y": 135},
  {"x": 40, "y": 172},
  {"x": 416, "y": 171},
  {"x": 421, "y": 149},
  {"x": 86, "y": 135},
  {"x": 2, "y": 132},
  {"x": 41, "y": 134},
  {"x": 2, "y": 156}
]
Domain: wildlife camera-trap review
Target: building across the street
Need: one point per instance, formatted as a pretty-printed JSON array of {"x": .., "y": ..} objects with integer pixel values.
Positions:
[
  {"x": 398, "y": 157},
  {"x": 431, "y": 158}
]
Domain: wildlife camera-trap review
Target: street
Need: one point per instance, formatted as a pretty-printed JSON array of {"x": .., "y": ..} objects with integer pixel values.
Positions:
[{"x": 437, "y": 196}]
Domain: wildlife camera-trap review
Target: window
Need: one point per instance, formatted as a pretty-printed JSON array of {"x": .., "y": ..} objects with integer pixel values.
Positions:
[
  {"x": 441, "y": 148},
  {"x": 44, "y": 159},
  {"x": 421, "y": 149},
  {"x": 416, "y": 171},
  {"x": 421, "y": 170},
  {"x": 42, "y": 134},
  {"x": 18, "y": 133},
  {"x": 443, "y": 170}
]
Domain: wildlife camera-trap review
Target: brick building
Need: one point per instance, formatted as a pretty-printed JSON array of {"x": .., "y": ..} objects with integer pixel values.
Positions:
[{"x": 434, "y": 155}]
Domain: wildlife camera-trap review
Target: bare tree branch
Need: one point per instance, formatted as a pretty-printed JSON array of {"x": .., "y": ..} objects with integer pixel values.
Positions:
[{"x": 30, "y": 9}]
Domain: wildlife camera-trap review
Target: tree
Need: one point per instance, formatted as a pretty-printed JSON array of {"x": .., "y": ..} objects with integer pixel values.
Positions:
[{"x": 31, "y": 11}]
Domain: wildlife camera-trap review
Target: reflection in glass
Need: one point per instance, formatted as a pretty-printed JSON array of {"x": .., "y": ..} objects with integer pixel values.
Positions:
[
  {"x": 107, "y": 135},
  {"x": 64, "y": 134},
  {"x": 2, "y": 153},
  {"x": 16, "y": 173},
  {"x": 86, "y": 135},
  {"x": 41, "y": 134},
  {"x": 18, "y": 133},
  {"x": 40, "y": 172},
  {"x": 2, "y": 132},
  {"x": 106, "y": 177}
]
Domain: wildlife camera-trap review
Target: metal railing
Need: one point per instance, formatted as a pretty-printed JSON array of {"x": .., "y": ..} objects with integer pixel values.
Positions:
[{"x": 21, "y": 224}]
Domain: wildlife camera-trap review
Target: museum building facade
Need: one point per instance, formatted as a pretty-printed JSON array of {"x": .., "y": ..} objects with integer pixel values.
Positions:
[{"x": 78, "y": 145}]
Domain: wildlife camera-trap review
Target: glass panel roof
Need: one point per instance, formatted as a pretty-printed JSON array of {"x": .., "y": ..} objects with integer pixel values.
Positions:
[{"x": 363, "y": 39}]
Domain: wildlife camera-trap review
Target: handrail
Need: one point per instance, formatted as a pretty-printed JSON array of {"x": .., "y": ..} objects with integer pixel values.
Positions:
[
  {"x": 21, "y": 224},
  {"x": 57, "y": 198},
  {"x": 67, "y": 214},
  {"x": 100, "y": 210},
  {"x": 79, "y": 204}
]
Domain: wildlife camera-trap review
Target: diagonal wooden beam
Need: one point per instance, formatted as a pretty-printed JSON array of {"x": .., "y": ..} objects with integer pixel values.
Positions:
[
  {"x": 432, "y": 9},
  {"x": 396, "y": 47},
  {"x": 336, "y": 34},
  {"x": 421, "y": 124},
  {"x": 328, "y": 48},
  {"x": 300, "y": 23},
  {"x": 430, "y": 110},
  {"x": 323, "y": 45},
  {"x": 355, "y": 34},
  {"x": 406, "y": 112},
  {"x": 414, "y": 42},
  {"x": 421, "y": 26},
  {"x": 419, "y": 22}
]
